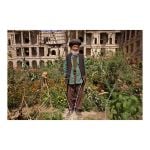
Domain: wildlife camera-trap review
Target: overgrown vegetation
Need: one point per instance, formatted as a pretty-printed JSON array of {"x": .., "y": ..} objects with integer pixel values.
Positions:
[{"x": 113, "y": 86}]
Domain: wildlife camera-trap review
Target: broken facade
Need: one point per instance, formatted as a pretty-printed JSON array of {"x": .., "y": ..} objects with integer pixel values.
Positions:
[
  {"x": 35, "y": 48},
  {"x": 97, "y": 42},
  {"x": 131, "y": 44}
]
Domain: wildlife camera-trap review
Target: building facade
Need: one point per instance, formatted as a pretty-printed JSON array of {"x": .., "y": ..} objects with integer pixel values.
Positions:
[
  {"x": 132, "y": 44},
  {"x": 97, "y": 42},
  {"x": 35, "y": 48}
]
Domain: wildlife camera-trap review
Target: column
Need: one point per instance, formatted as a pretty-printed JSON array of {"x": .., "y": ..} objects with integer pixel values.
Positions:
[
  {"x": 45, "y": 62},
  {"x": 13, "y": 38},
  {"x": 30, "y": 63},
  {"x": 38, "y": 62},
  {"x": 29, "y": 38},
  {"x": 37, "y": 51},
  {"x": 37, "y": 39},
  {"x": 45, "y": 51},
  {"x": 76, "y": 34},
  {"x": 84, "y": 43},
  {"x": 113, "y": 38},
  {"x": 21, "y": 37},
  {"x": 93, "y": 38},
  {"x": 30, "y": 54},
  {"x": 109, "y": 36},
  {"x": 98, "y": 39},
  {"x": 57, "y": 52},
  {"x": 15, "y": 63}
]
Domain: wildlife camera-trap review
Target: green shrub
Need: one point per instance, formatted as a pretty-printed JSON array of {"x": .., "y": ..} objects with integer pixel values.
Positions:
[
  {"x": 93, "y": 101},
  {"x": 125, "y": 102},
  {"x": 124, "y": 107}
]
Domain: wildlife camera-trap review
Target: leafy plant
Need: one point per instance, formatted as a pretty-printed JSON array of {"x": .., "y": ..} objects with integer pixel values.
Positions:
[
  {"x": 125, "y": 107},
  {"x": 124, "y": 102}
]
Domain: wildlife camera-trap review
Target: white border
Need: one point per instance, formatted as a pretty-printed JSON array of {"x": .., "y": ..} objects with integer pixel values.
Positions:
[{"x": 77, "y": 14}]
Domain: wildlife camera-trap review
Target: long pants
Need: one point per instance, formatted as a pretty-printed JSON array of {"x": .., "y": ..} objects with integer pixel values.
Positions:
[{"x": 75, "y": 96}]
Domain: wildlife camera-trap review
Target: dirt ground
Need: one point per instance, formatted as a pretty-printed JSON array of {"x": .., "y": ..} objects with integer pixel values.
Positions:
[{"x": 92, "y": 115}]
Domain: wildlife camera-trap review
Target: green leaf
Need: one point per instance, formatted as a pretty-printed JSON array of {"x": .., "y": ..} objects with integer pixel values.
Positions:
[{"x": 118, "y": 105}]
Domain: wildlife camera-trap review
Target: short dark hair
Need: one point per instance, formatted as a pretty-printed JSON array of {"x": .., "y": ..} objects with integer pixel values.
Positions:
[{"x": 74, "y": 42}]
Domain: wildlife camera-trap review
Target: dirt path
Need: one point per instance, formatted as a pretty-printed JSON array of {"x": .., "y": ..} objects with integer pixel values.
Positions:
[{"x": 92, "y": 115}]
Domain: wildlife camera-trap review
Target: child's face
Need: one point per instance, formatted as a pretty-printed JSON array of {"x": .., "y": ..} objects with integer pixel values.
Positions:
[{"x": 75, "y": 48}]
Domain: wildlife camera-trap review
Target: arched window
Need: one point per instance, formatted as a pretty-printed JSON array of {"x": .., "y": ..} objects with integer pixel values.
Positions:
[
  {"x": 49, "y": 63},
  {"x": 53, "y": 52},
  {"x": 19, "y": 64},
  {"x": 34, "y": 64},
  {"x": 41, "y": 63},
  {"x": 27, "y": 63},
  {"x": 10, "y": 64}
]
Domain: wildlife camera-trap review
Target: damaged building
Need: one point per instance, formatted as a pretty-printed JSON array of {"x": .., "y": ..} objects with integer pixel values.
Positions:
[
  {"x": 97, "y": 42},
  {"x": 34, "y": 48},
  {"x": 132, "y": 45}
]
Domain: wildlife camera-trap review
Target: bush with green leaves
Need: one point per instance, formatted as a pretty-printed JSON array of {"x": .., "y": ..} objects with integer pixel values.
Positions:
[
  {"x": 127, "y": 79},
  {"x": 124, "y": 107},
  {"x": 55, "y": 97},
  {"x": 93, "y": 100},
  {"x": 122, "y": 83}
]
